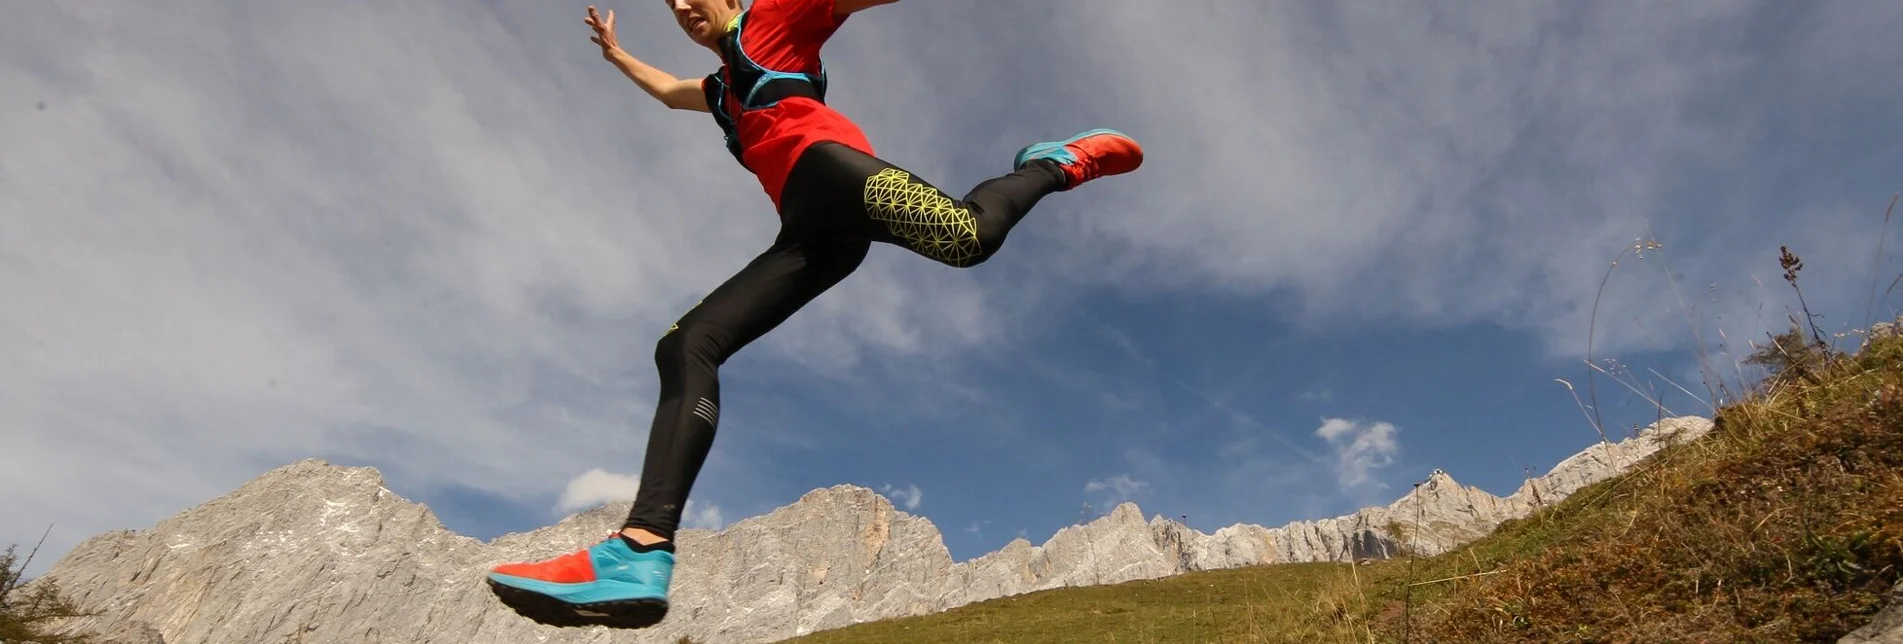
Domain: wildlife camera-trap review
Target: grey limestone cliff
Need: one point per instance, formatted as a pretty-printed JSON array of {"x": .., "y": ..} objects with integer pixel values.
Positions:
[
  {"x": 312, "y": 552},
  {"x": 1440, "y": 513}
]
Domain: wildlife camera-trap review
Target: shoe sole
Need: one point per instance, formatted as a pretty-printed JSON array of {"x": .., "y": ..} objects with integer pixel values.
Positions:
[
  {"x": 626, "y": 613},
  {"x": 1038, "y": 148}
]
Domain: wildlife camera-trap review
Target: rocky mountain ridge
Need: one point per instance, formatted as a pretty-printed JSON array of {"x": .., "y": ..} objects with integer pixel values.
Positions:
[{"x": 312, "y": 552}]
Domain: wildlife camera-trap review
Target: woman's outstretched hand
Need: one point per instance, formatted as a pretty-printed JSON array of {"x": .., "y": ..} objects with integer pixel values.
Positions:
[{"x": 604, "y": 32}]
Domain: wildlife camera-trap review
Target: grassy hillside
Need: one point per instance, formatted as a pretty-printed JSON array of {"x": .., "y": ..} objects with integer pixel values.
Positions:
[{"x": 1784, "y": 524}]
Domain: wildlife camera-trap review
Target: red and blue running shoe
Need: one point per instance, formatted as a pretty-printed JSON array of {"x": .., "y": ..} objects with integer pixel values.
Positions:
[
  {"x": 609, "y": 584},
  {"x": 1087, "y": 156}
]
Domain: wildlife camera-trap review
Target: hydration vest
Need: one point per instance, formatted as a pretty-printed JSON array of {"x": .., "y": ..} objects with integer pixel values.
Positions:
[{"x": 741, "y": 85}]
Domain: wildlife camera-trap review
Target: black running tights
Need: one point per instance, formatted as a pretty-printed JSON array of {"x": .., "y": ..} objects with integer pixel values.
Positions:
[{"x": 837, "y": 201}]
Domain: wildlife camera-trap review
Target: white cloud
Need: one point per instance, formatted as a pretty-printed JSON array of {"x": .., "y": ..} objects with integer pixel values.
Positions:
[
  {"x": 1120, "y": 487},
  {"x": 1359, "y": 449},
  {"x": 702, "y": 516},
  {"x": 908, "y": 496},
  {"x": 433, "y": 250},
  {"x": 597, "y": 486},
  {"x": 440, "y": 248},
  {"x": 1443, "y": 164}
]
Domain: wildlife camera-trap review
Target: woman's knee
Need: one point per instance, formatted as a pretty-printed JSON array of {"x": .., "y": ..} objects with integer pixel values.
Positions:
[
  {"x": 982, "y": 254},
  {"x": 984, "y": 244},
  {"x": 694, "y": 343}
]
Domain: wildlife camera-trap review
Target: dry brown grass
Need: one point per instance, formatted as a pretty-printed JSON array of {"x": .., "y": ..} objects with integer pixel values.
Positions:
[{"x": 1785, "y": 524}]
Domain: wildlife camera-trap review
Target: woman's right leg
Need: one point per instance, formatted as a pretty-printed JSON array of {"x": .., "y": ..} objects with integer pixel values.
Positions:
[
  {"x": 770, "y": 289},
  {"x": 623, "y": 581}
]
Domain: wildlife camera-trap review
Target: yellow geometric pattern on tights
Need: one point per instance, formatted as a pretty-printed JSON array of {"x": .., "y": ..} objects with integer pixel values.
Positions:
[{"x": 932, "y": 223}]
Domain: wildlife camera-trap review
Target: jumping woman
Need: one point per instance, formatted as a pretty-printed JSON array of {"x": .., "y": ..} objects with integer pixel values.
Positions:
[{"x": 834, "y": 198}]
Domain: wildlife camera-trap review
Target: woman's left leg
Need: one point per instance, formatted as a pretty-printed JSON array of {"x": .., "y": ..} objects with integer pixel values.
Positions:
[{"x": 838, "y": 188}]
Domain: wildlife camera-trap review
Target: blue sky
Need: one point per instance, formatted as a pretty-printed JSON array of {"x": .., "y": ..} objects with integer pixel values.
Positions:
[{"x": 441, "y": 239}]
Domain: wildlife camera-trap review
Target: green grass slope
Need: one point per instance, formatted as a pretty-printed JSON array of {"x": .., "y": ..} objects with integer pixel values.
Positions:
[{"x": 1783, "y": 524}]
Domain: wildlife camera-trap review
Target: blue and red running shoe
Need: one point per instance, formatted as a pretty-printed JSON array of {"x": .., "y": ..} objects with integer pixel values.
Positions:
[
  {"x": 609, "y": 584},
  {"x": 1087, "y": 156}
]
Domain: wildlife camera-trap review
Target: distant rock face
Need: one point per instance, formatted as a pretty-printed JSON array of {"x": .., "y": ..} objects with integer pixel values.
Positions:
[
  {"x": 1883, "y": 330},
  {"x": 312, "y": 552},
  {"x": 1441, "y": 514}
]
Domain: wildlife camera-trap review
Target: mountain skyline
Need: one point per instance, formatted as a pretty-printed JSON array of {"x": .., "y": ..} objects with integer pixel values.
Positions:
[{"x": 442, "y": 239}]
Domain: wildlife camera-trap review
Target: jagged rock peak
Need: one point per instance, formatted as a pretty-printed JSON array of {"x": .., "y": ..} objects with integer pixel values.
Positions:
[
  {"x": 1437, "y": 483},
  {"x": 846, "y": 493},
  {"x": 320, "y": 472}
]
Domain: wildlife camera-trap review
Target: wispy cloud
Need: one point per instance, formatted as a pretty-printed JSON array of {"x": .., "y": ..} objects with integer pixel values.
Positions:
[
  {"x": 908, "y": 496},
  {"x": 357, "y": 238},
  {"x": 1116, "y": 489},
  {"x": 1445, "y": 165},
  {"x": 459, "y": 242},
  {"x": 1360, "y": 448},
  {"x": 702, "y": 516},
  {"x": 596, "y": 486}
]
